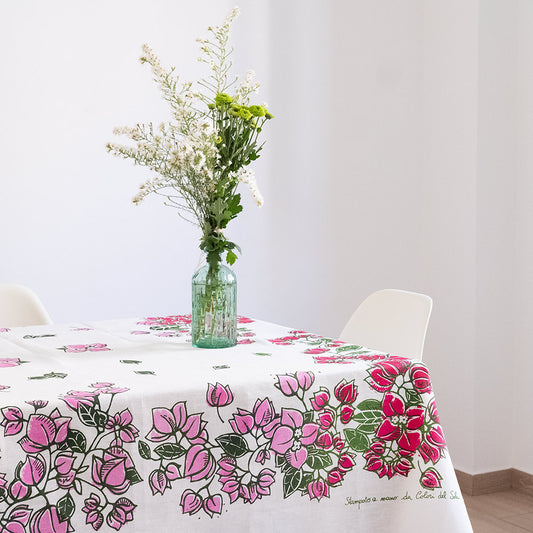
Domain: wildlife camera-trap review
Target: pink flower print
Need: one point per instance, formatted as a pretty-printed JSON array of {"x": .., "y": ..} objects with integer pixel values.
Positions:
[
  {"x": 101, "y": 385},
  {"x": 218, "y": 395},
  {"x": 43, "y": 431},
  {"x": 38, "y": 404},
  {"x": 158, "y": 482},
  {"x": 262, "y": 456},
  {"x": 98, "y": 347},
  {"x": 110, "y": 471},
  {"x": 3, "y": 484},
  {"x": 318, "y": 489},
  {"x": 346, "y": 462},
  {"x": 18, "y": 491},
  {"x": 74, "y": 348},
  {"x": 75, "y": 398},
  {"x": 12, "y": 421},
  {"x": 316, "y": 351},
  {"x": 320, "y": 399},
  {"x": 18, "y": 518},
  {"x": 346, "y": 413},
  {"x": 4, "y": 330},
  {"x": 122, "y": 423},
  {"x": 4, "y": 387},
  {"x": 32, "y": 471},
  {"x": 335, "y": 476},
  {"x": 244, "y": 320},
  {"x": 6, "y": 362},
  {"x": 92, "y": 510},
  {"x": 287, "y": 384},
  {"x": 430, "y": 479},
  {"x": 213, "y": 505},
  {"x": 245, "y": 341},
  {"x": 121, "y": 513},
  {"x": 263, "y": 413},
  {"x": 140, "y": 332},
  {"x": 265, "y": 479},
  {"x": 400, "y": 424},
  {"x": 166, "y": 422},
  {"x": 242, "y": 421},
  {"x": 47, "y": 519},
  {"x": 65, "y": 474},
  {"x": 386, "y": 462},
  {"x": 305, "y": 379},
  {"x": 191, "y": 502},
  {"x": 338, "y": 443},
  {"x": 247, "y": 334},
  {"x": 324, "y": 440},
  {"x": 420, "y": 378},
  {"x": 433, "y": 444},
  {"x": 292, "y": 436},
  {"x": 432, "y": 411},
  {"x": 326, "y": 419},
  {"x": 384, "y": 373},
  {"x": 346, "y": 392},
  {"x": 199, "y": 463}
]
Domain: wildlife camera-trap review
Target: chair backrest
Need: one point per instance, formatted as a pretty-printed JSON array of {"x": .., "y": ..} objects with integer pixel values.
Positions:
[
  {"x": 20, "y": 306},
  {"x": 392, "y": 321}
]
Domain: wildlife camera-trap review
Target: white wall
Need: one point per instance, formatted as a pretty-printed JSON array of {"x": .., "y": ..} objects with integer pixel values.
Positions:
[{"x": 398, "y": 157}]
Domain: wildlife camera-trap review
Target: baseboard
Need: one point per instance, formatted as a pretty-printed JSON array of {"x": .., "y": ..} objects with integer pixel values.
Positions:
[{"x": 477, "y": 484}]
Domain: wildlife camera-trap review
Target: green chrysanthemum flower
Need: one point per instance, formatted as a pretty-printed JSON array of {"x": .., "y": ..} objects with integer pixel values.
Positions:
[
  {"x": 257, "y": 110},
  {"x": 269, "y": 115},
  {"x": 244, "y": 113},
  {"x": 223, "y": 99}
]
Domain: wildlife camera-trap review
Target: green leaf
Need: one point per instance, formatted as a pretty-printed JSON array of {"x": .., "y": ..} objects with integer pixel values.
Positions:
[
  {"x": 76, "y": 441},
  {"x": 130, "y": 361},
  {"x": 231, "y": 258},
  {"x": 370, "y": 405},
  {"x": 86, "y": 414},
  {"x": 65, "y": 507},
  {"x": 233, "y": 444},
  {"x": 170, "y": 450},
  {"x": 144, "y": 450},
  {"x": 292, "y": 481},
  {"x": 318, "y": 459},
  {"x": 413, "y": 398},
  {"x": 309, "y": 417},
  {"x": 356, "y": 440},
  {"x": 133, "y": 475},
  {"x": 349, "y": 348}
]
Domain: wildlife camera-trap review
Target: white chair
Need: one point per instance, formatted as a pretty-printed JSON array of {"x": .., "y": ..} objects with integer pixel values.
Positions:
[
  {"x": 20, "y": 306},
  {"x": 392, "y": 321}
]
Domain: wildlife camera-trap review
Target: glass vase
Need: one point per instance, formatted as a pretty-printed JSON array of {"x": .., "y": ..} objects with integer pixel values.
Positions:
[{"x": 214, "y": 307}]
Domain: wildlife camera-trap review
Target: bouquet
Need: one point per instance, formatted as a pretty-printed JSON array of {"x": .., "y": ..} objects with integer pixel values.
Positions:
[{"x": 199, "y": 157}]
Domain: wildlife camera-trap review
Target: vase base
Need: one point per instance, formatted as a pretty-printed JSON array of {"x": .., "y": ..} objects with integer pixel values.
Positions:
[{"x": 214, "y": 343}]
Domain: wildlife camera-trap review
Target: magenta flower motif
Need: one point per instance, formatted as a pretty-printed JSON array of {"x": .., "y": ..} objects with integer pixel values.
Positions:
[
  {"x": 199, "y": 463},
  {"x": 18, "y": 491},
  {"x": 346, "y": 413},
  {"x": 305, "y": 379},
  {"x": 158, "y": 482},
  {"x": 122, "y": 422},
  {"x": 101, "y": 385},
  {"x": 17, "y": 520},
  {"x": 167, "y": 422},
  {"x": 318, "y": 489},
  {"x": 98, "y": 347},
  {"x": 242, "y": 421},
  {"x": 12, "y": 421},
  {"x": 190, "y": 502},
  {"x": 246, "y": 340},
  {"x": 6, "y": 362},
  {"x": 320, "y": 399},
  {"x": 384, "y": 373},
  {"x": 324, "y": 440},
  {"x": 385, "y": 462},
  {"x": 327, "y": 419},
  {"x": 65, "y": 474},
  {"x": 218, "y": 395},
  {"x": 263, "y": 413},
  {"x": 430, "y": 479},
  {"x": 75, "y": 398},
  {"x": 316, "y": 351},
  {"x": 121, "y": 513},
  {"x": 287, "y": 384},
  {"x": 44, "y": 431},
  {"x": 401, "y": 424},
  {"x": 92, "y": 510},
  {"x": 213, "y": 505},
  {"x": 4, "y": 387},
  {"x": 346, "y": 392},
  {"x": 32, "y": 471},
  {"x": 4, "y": 330},
  {"x": 346, "y": 462},
  {"x": 335, "y": 477},
  {"x": 433, "y": 444},
  {"x": 244, "y": 320},
  {"x": 292, "y": 436},
  {"x": 420, "y": 378},
  {"x": 110, "y": 470},
  {"x": 47, "y": 519}
]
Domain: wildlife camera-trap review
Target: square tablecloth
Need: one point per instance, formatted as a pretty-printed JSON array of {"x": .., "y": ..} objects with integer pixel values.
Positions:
[{"x": 123, "y": 425}]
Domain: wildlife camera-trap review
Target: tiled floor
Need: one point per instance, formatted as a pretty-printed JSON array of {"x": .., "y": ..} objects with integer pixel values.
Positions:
[{"x": 500, "y": 512}]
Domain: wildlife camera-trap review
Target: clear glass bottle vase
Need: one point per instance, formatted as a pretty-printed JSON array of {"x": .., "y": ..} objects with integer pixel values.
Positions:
[{"x": 214, "y": 307}]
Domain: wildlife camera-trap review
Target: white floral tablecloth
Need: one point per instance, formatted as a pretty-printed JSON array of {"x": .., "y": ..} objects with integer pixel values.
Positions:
[{"x": 122, "y": 425}]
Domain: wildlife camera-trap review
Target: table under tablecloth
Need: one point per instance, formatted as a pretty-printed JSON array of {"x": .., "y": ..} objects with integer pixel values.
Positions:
[{"x": 123, "y": 425}]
